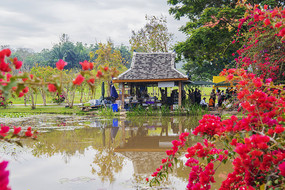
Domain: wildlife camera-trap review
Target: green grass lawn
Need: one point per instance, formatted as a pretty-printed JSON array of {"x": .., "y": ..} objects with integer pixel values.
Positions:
[
  {"x": 39, "y": 100},
  {"x": 40, "y": 110}
]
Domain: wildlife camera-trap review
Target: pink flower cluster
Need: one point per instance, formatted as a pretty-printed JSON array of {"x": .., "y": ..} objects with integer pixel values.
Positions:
[
  {"x": 168, "y": 162},
  {"x": 255, "y": 163},
  {"x": 257, "y": 138},
  {"x": 4, "y": 176},
  {"x": 200, "y": 178},
  {"x": 266, "y": 33},
  {"x": 5, "y": 66},
  {"x": 209, "y": 125},
  {"x": 4, "y": 131},
  {"x": 86, "y": 65}
]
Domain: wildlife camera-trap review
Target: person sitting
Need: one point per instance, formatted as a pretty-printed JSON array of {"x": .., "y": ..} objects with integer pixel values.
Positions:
[
  {"x": 211, "y": 103},
  {"x": 203, "y": 103}
]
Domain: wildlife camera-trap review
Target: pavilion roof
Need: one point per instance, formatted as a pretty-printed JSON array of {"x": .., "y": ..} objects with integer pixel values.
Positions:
[{"x": 152, "y": 67}]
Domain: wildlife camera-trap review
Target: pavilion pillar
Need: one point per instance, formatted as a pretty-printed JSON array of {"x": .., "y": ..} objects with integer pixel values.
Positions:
[
  {"x": 179, "y": 93},
  {"x": 123, "y": 95}
]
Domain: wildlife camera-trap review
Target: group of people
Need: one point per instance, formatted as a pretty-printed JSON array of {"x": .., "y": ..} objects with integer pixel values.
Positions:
[
  {"x": 220, "y": 95},
  {"x": 194, "y": 96}
]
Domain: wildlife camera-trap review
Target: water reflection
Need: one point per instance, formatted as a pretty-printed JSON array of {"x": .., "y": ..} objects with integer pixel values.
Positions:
[{"x": 82, "y": 152}]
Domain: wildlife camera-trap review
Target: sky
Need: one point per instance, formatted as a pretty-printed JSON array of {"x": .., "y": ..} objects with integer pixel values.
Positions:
[{"x": 38, "y": 24}]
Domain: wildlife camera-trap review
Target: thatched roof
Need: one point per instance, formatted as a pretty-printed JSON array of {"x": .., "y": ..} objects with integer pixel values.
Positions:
[{"x": 152, "y": 67}]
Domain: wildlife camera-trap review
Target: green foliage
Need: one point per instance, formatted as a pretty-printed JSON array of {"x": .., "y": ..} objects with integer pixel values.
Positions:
[
  {"x": 142, "y": 111},
  {"x": 165, "y": 110},
  {"x": 210, "y": 30},
  {"x": 72, "y": 53},
  {"x": 195, "y": 110},
  {"x": 107, "y": 55},
  {"x": 4, "y": 102},
  {"x": 126, "y": 55},
  {"x": 106, "y": 111},
  {"x": 58, "y": 99},
  {"x": 204, "y": 72}
]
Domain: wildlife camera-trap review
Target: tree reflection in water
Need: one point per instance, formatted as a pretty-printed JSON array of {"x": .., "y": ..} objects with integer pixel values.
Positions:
[
  {"x": 106, "y": 162},
  {"x": 133, "y": 146}
]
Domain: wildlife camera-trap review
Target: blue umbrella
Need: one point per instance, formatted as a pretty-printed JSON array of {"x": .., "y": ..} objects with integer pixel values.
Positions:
[
  {"x": 114, "y": 92},
  {"x": 103, "y": 90}
]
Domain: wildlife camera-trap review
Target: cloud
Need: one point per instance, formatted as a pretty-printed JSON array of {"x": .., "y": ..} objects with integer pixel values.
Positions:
[{"x": 38, "y": 24}]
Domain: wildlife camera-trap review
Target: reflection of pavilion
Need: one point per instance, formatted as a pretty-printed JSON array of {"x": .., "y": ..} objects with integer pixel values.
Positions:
[{"x": 146, "y": 152}]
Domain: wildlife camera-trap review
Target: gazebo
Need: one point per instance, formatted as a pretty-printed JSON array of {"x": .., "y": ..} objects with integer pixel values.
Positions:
[{"x": 152, "y": 69}]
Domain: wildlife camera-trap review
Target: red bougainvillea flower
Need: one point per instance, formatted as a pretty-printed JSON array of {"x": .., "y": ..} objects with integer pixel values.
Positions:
[
  {"x": 282, "y": 169},
  {"x": 91, "y": 81},
  {"x": 4, "y": 66},
  {"x": 60, "y": 64},
  {"x": 91, "y": 65},
  {"x": 282, "y": 32},
  {"x": 85, "y": 65},
  {"x": 7, "y": 52},
  {"x": 278, "y": 24},
  {"x": 25, "y": 90},
  {"x": 52, "y": 88},
  {"x": 267, "y": 22},
  {"x": 25, "y": 79},
  {"x": 4, "y": 176},
  {"x": 79, "y": 79},
  {"x": 21, "y": 94},
  {"x": 28, "y": 133},
  {"x": 4, "y": 130},
  {"x": 99, "y": 74},
  {"x": 31, "y": 76},
  {"x": 17, "y": 130},
  {"x": 8, "y": 76},
  {"x": 18, "y": 64}
]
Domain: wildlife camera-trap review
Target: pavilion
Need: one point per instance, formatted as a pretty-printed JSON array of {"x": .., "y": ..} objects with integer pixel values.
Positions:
[{"x": 151, "y": 69}]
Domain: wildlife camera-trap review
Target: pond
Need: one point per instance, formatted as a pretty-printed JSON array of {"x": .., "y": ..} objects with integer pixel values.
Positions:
[{"x": 83, "y": 152}]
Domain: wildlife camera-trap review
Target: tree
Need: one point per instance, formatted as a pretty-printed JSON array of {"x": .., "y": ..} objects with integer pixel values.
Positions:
[
  {"x": 210, "y": 30},
  {"x": 126, "y": 55},
  {"x": 153, "y": 37},
  {"x": 206, "y": 72},
  {"x": 45, "y": 73},
  {"x": 108, "y": 61},
  {"x": 264, "y": 42},
  {"x": 23, "y": 54}
]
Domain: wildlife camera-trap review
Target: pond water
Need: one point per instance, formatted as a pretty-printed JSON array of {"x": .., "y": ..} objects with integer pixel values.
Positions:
[{"x": 83, "y": 152}]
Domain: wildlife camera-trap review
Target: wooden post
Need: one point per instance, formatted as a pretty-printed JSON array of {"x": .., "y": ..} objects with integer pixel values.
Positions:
[
  {"x": 180, "y": 127},
  {"x": 123, "y": 138},
  {"x": 180, "y": 94},
  {"x": 123, "y": 95}
]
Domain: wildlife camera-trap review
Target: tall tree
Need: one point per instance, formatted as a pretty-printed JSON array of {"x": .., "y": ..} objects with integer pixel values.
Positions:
[
  {"x": 126, "y": 55},
  {"x": 44, "y": 73},
  {"x": 153, "y": 37},
  {"x": 107, "y": 59},
  {"x": 210, "y": 30}
]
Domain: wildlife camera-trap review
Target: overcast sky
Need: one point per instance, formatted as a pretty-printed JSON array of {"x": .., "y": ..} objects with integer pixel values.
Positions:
[{"x": 38, "y": 24}]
